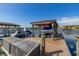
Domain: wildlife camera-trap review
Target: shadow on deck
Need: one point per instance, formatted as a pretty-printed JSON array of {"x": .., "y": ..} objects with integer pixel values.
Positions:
[{"x": 56, "y": 53}]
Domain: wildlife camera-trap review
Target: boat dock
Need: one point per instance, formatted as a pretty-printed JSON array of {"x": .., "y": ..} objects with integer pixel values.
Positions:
[
  {"x": 55, "y": 47},
  {"x": 47, "y": 43},
  {"x": 52, "y": 47},
  {"x": 6, "y": 29}
]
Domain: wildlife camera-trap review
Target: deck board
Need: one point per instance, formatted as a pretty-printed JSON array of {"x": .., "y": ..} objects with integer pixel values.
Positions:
[
  {"x": 54, "y": 45},
  {"x": 57, "y": 45}
]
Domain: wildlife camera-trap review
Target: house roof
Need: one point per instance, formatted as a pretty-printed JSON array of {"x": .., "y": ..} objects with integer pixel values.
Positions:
[
  {"x": 8, "y": 24},
  {"x": 43, "y": 22}
]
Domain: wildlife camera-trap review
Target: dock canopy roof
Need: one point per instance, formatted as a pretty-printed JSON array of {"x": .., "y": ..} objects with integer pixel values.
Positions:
[
  {"x": 44, "y": 22},
  {"x": 8, "y": 24}
]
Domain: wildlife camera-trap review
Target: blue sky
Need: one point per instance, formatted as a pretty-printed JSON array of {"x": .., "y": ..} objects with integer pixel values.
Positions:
[{"x": 24, "y": 14}]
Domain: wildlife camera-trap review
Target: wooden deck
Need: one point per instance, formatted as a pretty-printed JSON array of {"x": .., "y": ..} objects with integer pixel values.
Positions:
[
  {"x": 57, "y": 47},
  {"x": 54, "y": 47}
]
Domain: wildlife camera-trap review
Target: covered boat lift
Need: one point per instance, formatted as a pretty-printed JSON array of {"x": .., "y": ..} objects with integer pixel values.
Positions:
[
  {"x": 46, "y": 26},
  {"x": 7, "y": 28}
]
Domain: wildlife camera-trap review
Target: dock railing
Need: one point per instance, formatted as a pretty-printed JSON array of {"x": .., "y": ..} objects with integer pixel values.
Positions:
[{"x": 41, "y": 47}]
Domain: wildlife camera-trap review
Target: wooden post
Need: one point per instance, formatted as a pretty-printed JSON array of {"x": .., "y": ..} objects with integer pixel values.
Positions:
[
  {"x": 8, "y": 30},
  {"x": 55, "y": 28},
  {"x": 33, "y": 29},
  {"x": 9, "y": 48},
  {"x": 4, "y": 30},
  {"x": 43, "y": 44},
  {"x": 26, "y": 32},
  {"x": 39, "y": 31},
  {"x": 15, "y": 28}
]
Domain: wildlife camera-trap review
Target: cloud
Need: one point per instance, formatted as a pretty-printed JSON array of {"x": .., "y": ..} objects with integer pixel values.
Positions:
[{"x": 69, "y": 21}]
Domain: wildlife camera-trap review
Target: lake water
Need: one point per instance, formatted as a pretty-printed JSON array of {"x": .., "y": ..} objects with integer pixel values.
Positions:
[{"x": 69, "y": 36}]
